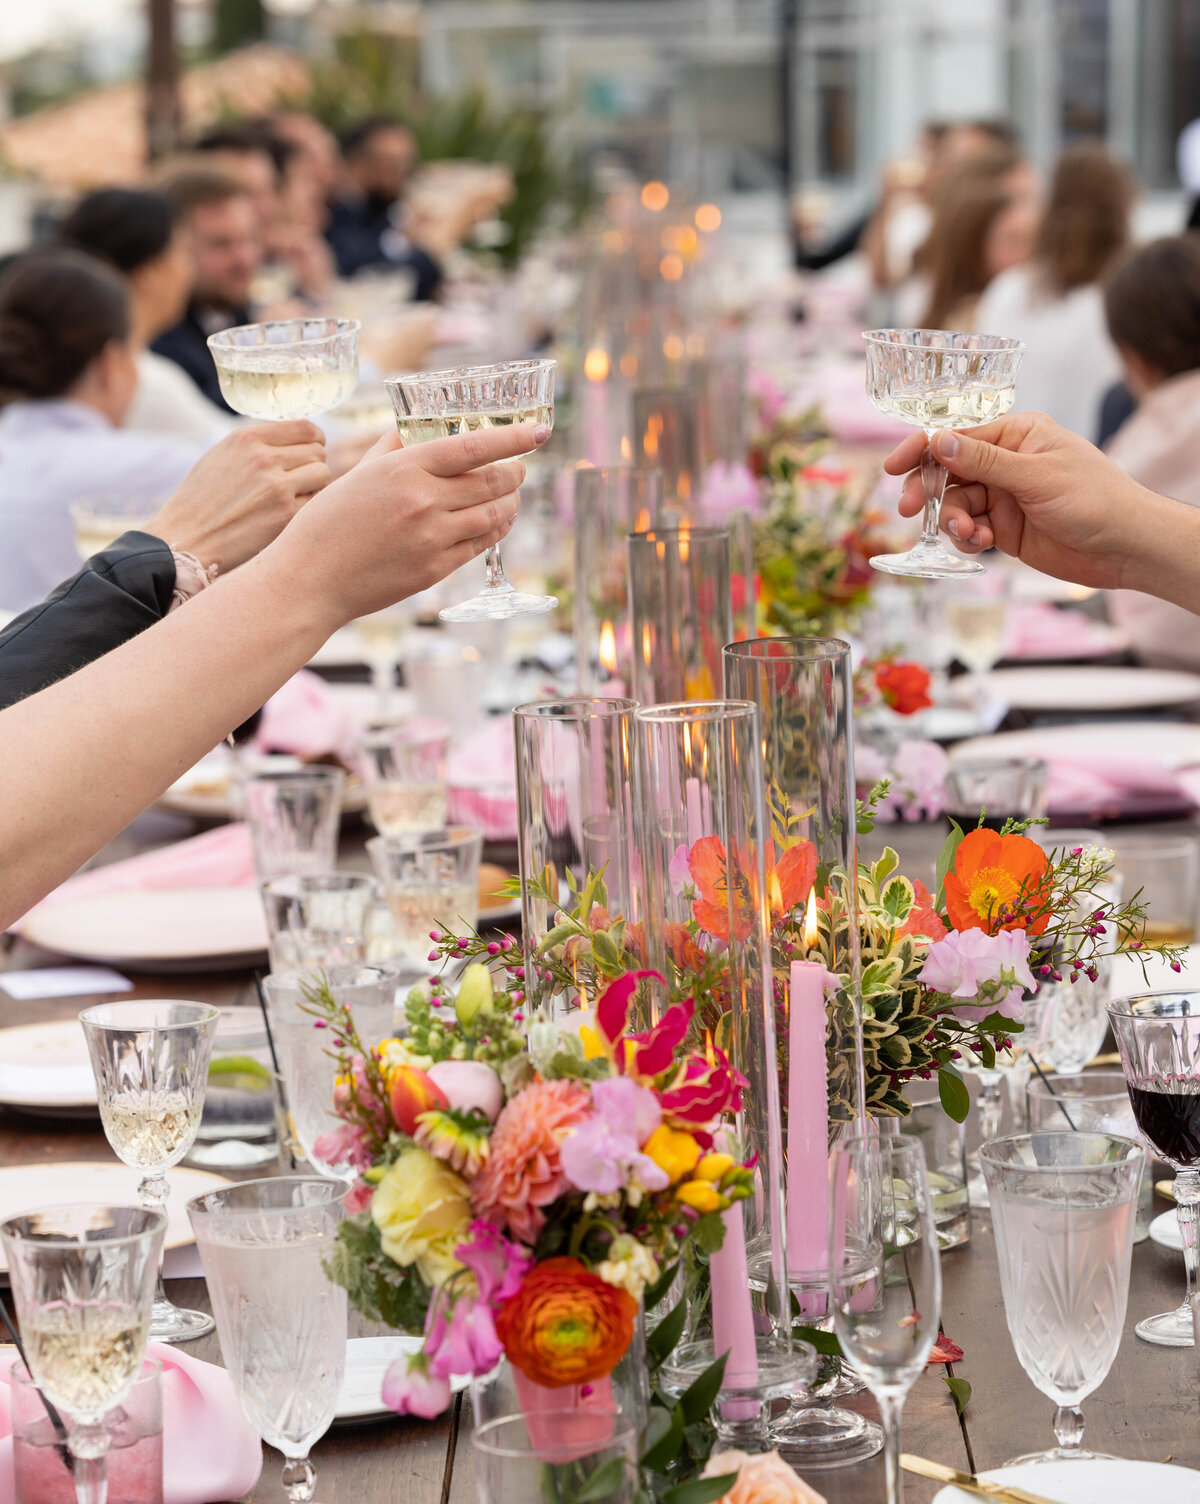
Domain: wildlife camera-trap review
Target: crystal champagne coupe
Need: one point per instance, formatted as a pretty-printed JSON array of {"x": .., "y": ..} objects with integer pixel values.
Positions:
[
  {"x": 151, "y": 1059},
  {"x": 439, "y": 404},
  {"x": 936, "y": 379},
  {"x": 287, "y": 368},
  {"x": 83, "y": 1282}
]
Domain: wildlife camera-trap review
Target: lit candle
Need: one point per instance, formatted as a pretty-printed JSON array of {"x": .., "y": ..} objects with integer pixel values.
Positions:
[
  {"x": 808, "y": 1111},
  {"x": 611, "y": 685},
  {"x": 595, "y": 405},
  {"x": 695, "y": 810}
]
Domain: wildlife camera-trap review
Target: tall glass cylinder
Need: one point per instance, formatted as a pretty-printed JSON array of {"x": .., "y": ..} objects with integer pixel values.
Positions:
[
  {"x": 575, "y": 814},
  {"x": 667, "y": 436},
  {"x": 681, "y": 612},
  {"x": 609, "y": 505},
  {"x": 803, "y": 690}
]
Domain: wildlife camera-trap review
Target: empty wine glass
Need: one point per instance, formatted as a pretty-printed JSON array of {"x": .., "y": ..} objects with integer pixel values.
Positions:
[
  {"x": 936, "y": 379},
  {"x": 281, "y": 1320},
  {"x": 886, "y": 1274},
  {"x": 1063, "y": 1211},
  {"x": 1158, "y": 1035},
  {"x": 150, "y": 1059},
  {"x": 438, "y": 404},
  {"x": 383, "y": 635},
  {"x": 83, "y": 1282},
  {"x": 287, "y": 368}
]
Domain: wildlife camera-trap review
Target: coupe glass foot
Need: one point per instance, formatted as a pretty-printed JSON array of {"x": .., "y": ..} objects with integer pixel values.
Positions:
[
  {"x": 1061, "y": 1454},
  {"x": 824, "y": 1436},
  {"x": 498, "y": 603},
  {"x": 928, "y": 561},
  {"x": 1170, "y": 1329}
]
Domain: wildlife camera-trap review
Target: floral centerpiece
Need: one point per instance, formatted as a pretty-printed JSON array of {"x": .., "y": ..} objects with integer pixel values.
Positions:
[{"x": 888, "y": 691}]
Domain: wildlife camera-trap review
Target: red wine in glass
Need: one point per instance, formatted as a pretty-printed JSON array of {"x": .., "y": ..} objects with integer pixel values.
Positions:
[{"x": 1167, "y": 1109}]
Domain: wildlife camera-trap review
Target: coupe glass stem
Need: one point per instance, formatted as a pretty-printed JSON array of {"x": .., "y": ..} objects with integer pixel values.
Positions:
[
  {"x": 89, "y": 1444},
  {"x": 891, "y": 1403},
  {"x": 496, "y": 578},
  {"x": 299, "y": 1480},
  {"x": 1068, "y": 1427},
  {"x": 1187, "y": 1209},
  {"x": 933, "y": 478},
  {"x": 152, "y": 1193}
]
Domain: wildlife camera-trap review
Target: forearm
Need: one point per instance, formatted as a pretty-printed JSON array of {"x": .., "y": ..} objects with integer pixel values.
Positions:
[
  {"x": 160, "y": 702},
  {"x": 1163, "y": 558}
]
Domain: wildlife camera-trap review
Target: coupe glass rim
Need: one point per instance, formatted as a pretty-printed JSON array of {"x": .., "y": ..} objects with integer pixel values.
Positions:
[
  {"x": 998, "y": 344},
  {"x": 481, "y": 1438},
  {"x": 680, "y": 711},
  {"x": 989, "y": 1151},
  {"x": 1156, "y": 1004},
  {"x": 224, "y": 339},
  {"x": 573, "y": 709},
  {"x": 459, "y": 373},
  {"x": 203, "y": 1205},
  {"x": 292, "y": 978},
  {"x": 9, "y": 1233},
  {"x": 799, "y": 649},
  {"x": 453, "y": 836},
  {"x": 685, "y": 530},
  {"x": 203, "y": 1013}
]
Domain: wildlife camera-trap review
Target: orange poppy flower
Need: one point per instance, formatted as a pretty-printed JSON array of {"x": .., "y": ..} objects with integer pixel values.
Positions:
[
  {"x": 995, "y": 876},
  {"x": 923, "y": 918},
  {"x": 717, "y": 910}
]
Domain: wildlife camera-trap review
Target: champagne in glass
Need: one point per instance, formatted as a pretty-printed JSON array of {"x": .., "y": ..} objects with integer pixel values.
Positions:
[{"x": 287, "y": 368}]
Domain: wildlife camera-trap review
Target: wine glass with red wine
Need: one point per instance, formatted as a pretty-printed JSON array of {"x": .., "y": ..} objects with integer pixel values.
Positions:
[{"x": 1158, "y": 1035}]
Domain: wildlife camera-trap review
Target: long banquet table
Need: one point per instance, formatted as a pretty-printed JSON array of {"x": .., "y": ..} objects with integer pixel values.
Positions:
[{"x": 1146, "y": 1409}]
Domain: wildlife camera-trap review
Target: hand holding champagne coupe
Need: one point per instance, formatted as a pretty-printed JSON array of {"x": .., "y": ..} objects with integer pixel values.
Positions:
[
  {"x": 439, "y": 404},
  {"x": 288, "y": 368},
  {"x": 935, "y": 379}
]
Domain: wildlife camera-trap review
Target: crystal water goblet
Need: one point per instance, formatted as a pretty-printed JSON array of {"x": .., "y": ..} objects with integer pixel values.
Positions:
[
  {"x": 439, "y": 404},
  {"x": 287, "y": 368},
  {"x": 1158, "y": 1035},
  {"x": 885, "y": 1273},
  {"x": 150, "y": 1059},
  {"x": 1063, "y": 1211},
  {"x": 937, "y": 379},
  {"x": 280, "y": 1319},
  {"x": 83, "y": 1283}
]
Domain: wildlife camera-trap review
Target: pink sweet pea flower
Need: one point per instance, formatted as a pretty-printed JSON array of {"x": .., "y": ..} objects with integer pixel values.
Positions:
[
  {"x": 409, "y": 1389},
  {"x": 498, "y": 1264},
  {"x": 598, "y": 1157},
  {"x": 358, "y": 1197},
  {"x": 967, "y": 959},
  {"x": 343, "y": 1145},
  {"x": 627, "y": 1107},
  {"x": 461, "y": 1338}
]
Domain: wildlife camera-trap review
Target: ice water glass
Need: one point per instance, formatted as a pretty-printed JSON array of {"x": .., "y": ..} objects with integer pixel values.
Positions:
[
  {"x": 885, "y": 1272},
  {"x": 1063, "y": 1211},
  {"x": 944, "y": 1144},
  {"x": 936, "y": 379},
  {"x": 439, "y": 404},
  {"x": 287, "y": 368},
  {"x": 1165, "y": 870},
  {"x": 82, "y": 1284},
  {"x": 150, "y": 1059},
  {"x": 1001, "y": 788},
  {"x": 544, "y": 1456},
  {"x": 404, "y": 769},
  {"x": 319, "y": 919},
  {"x": 294, "y": 820},
  {"x": 281, "y": 1320},
  {"x": 430, "y": 882},
  {"x": 307, "y": 1059}
]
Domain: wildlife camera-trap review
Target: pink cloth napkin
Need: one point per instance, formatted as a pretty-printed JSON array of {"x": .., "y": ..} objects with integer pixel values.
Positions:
[
  {"x": 305, "y": 719},
  {"x": 1037, "y": 629},
  {"x": 482, "y": 781},
  {"x": 211, "y": 1453},
  {"x": 848, "y": 411},
  {"x": 1100, "y": 784}
]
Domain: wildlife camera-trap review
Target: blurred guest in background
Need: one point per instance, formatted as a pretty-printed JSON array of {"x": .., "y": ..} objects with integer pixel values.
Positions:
[
  {"x": 249, "y": 152},
  {"x": 1054, "y": 302},
  {"x": 316, "y": 149},
  {"x": 221, "y": 222},
  {"x": 979, "y": 230}
]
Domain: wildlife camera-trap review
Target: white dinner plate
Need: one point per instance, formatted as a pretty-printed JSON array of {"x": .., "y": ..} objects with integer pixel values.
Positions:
[
  {"x": 1084, "y": 689},
  {"x": 47, "y": 1068},
  {"x": 25, "y": 1188},
  {"x": 1167, "y": 744},
  {"x": 1098, "y": 1481},
  {"x": 1164, "y": 1231},
  {"x": 367, "y": 1360},
  {"x": 206, "y": 792},
  {"x": 172, "y": 929}
]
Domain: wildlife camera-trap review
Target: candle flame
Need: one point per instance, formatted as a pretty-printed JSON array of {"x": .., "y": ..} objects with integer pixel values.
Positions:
[
  {"x": 687, "y": 746},
  {"x": 626, "y": 447},
  {"x": 673, "y": 347},
  {"x": 671, "y": 267},
  {"x": 685, "y": 545},
  {"x": 647, "y": 644},
  {"x": 708, "y": 218},
  {"x": 642, "y": 524},
  {"x": 655, "y": 196},
  {"x": 608, "y": 647},
  {"x": 683, "y": 486},
  {"x": 595, "y": 364},
  {"x": 654, "y": 428},
  {"x": 710, "y": 1053},
  {"x": 812, "y": 931}
]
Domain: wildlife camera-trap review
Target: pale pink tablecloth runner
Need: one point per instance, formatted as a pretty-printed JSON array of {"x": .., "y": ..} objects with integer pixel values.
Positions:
[{"x": 482, "y": 776}]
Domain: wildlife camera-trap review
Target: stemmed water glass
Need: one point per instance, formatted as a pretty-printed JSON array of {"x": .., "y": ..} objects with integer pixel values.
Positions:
[
  {"x": 82, "y": 1282},
  {"x": 1063, "y": 1211},
  {"x": 886, "y": 1274},
  {"x": 150, "y": 1060},
  {"x": 264, "y": 1245},
  {"x": 936, "y": 379},
  {"x": 439, "y": 404},
  {"x": 287, "y": 368},
  {"x": 1158, "y": 1035}
]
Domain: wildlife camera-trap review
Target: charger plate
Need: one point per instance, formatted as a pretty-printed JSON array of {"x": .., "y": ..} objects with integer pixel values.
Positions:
[
  {"x": 1101, "y": 1481},
  {"x": 367, "y": 1360},
  {"x": 46, "y": 1068}
]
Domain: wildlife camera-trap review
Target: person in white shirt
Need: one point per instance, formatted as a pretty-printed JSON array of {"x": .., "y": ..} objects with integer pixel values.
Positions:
[{"x": 1055, "y": 303}]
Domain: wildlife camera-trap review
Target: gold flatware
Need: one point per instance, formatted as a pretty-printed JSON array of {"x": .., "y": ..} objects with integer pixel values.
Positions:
[
  {"x": 940, "y": 1473},
  {"x": 1165, "y": 1189}
]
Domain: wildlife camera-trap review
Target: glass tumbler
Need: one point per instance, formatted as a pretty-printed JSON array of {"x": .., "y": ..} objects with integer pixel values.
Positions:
[
  {"x": 546, "y": 1456},
  {"x": 1165, "y": 870},
  {"x": 1003, "y": 788},
  {"x": 430, "y": 882},
  {"x": 318, "y": 919},
  {"x": 404, "y": 769},
  {"x": 294, "y": 820}
]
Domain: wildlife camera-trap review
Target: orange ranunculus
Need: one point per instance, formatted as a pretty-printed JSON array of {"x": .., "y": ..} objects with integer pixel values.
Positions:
[
  {"x": 923, "y": 918},
  {"x": 565, "y": 1325},
  {"x": 904, "y": 686},
  {"x": 998, "y": 883},
  {"x": 717, "y": 910},
  {"x": 684, "y": 951}
]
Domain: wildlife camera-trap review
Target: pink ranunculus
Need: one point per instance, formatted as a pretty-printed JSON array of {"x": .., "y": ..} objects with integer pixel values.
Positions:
[
  {"x": 498, "y": 1264},
  {"x": 967, "y": 959},
  {"x": 414, "y": 1391},
  {"x": 343, "y": 1145},
  {"x": 467, "y": 1084},
  {"x": 625, "y": 1105},
  {"x": 460, "y": 1338},
  {"x": 598, "y": 1157}
]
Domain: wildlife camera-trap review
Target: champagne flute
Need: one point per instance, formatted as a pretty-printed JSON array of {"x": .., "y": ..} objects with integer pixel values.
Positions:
[
  {"x": 82, "y": 1282},
  {"x": 885, "y": 1273},
  {"x": 936, "y": 379},
  {"x": 438, "y": 404},
  {"x": 151, "y": 1059},
  {"x": 287, "y": 368}
]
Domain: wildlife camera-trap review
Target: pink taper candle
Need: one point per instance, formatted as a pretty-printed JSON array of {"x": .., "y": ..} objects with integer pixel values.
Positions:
[
  {"x": 808, "y": 1112},
  {"x": 732, "y": 1309}
]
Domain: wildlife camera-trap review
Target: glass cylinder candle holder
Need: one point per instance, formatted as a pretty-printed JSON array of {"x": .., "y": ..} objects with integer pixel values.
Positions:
[
  {"x": 575, "y": 821},
  {"x": 609, "y": 505},
  {"x": 666, "y": 436},
  {"x": 804, "y": 694},
  {"x": 681, "y": 612}
]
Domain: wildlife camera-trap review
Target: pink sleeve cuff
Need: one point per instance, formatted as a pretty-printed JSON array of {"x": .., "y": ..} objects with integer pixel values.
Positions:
[{"x": 190, "y": 577}]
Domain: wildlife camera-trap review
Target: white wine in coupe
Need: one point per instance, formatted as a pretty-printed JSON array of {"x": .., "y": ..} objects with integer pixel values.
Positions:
[
  {"x": 949, "y": 409},
  {"x": 86, "y": 1354},
  {"x": 416, "y": 428},
  {"x": 150, "y": 1131},
  {"x": 271, "y": 395}
]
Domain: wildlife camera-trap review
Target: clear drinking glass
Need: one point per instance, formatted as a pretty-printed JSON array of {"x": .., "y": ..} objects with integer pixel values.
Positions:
[
  {"x": 318, "y": 920},
  {"x": 294, "y": 820},
  {"x": 935, "y": 379},
  {"x": 1002, "y": 788},
  {"x": 404, "y": 769},
  {"x": 439, "y": 404},
  {"x": 1166, "y": 871},
  {"x": 281, "y": 1320},
  {"x": 551, "y": 1455},
  {"x": 287, "y": 368},
  {"x": 150, "y": 1059},
  {"x": 82, "y": 1284},
  {"x": 886, "y": 1274},
  {"x": 306, "y": 1061},
  {"x": 430, "y": 882},
  {"x": 1063, "y": 1210},
  {"x": 100, "y": 520},
  {"x": 1158, "y": 1035},
  {"x": 383, "y": 635}
]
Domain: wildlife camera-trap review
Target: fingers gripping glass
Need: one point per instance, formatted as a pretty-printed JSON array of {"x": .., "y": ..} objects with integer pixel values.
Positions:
[
  {"x": 440, "y": 404},
  {"x": 935, "y": 379}
]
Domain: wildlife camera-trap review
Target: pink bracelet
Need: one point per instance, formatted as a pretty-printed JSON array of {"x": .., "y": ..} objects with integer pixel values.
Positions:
[{"x": 190, "y": 577}]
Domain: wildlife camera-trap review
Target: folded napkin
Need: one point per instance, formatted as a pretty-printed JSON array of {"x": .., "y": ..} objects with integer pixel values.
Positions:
[
  {"x": 1037, "y": 629},
  {"x": 306, "y": 719},
  {"x": 482, "y": 781},
  {"x": 219, "y": 858},
  {"x": 849, "y": 413},
  {"x": 211, "y": 1453},
  {"x": 1100, "y": 784}
]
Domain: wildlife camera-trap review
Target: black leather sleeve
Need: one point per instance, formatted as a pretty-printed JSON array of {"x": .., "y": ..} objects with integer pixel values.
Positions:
[{"x": 117, "y": 594}]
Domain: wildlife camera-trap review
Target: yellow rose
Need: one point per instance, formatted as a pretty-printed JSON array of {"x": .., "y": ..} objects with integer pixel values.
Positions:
[
  {"x": 700, "y": 1196},
  {"x": 422, "y": 1210},
  {"x": 675, "y": 1152},
  {"x": 394, "y": 1052}
]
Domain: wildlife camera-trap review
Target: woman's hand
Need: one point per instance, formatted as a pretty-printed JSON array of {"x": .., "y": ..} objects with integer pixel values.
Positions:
[{"x": 240, "y": 495}]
